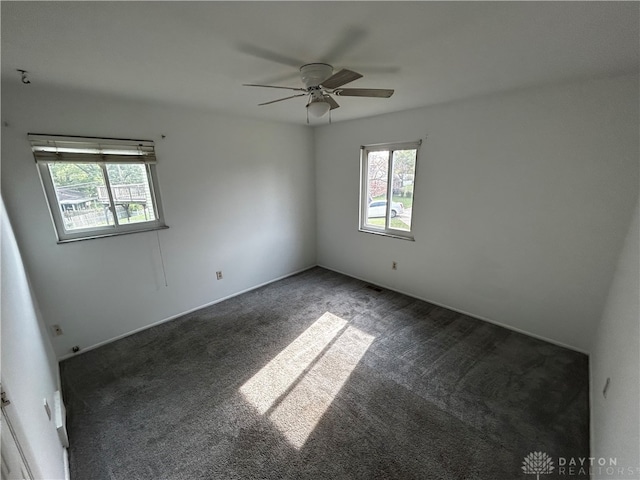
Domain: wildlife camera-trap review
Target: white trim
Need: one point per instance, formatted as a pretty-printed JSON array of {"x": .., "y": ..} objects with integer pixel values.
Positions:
[
  {"x": 592, "y": 432},
  {"x": 13, "y": 436},
  {"x": 178, "y": 315},
  {"x": 472, "y": 315}
]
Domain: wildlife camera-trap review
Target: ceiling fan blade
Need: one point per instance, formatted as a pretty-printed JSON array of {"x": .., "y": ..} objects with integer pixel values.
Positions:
[
  {"x": 274, "y": 86},
  {"x": 282, "y": 77},
  {"x": 366, "y": 70},
  {"x": 343, "y": 77},
  {"x": 347, "y": 41},
  {"x": 331, "y": 102},
  {"x": 363, "y": 92},
  {"x": 281, "y": 99},
  {"x": 269, "y": 55}
]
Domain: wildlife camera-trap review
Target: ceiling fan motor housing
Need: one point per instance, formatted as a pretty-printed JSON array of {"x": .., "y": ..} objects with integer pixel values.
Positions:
[{"x": 313, "y": 74}]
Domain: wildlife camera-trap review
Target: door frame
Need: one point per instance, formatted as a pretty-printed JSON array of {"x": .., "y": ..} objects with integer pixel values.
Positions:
[{"x": 5, "y": 422}]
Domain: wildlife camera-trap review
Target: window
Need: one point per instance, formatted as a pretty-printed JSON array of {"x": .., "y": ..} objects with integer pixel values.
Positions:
[
  {"x": 98, "y": 187},
  {"x": 388, "y": 174}
]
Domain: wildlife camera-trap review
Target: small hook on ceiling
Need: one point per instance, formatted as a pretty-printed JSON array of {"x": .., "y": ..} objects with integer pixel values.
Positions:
[{"x": 24, "y": 73}]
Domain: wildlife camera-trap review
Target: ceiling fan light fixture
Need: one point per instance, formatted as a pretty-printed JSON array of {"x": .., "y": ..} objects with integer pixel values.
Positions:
[{"x": 318, "y": 108}]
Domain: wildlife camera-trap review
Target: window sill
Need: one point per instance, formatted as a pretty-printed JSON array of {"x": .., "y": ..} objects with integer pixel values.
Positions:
[
  {"x": 387, "y": 234},
  {"x": 112, "y": 234}
]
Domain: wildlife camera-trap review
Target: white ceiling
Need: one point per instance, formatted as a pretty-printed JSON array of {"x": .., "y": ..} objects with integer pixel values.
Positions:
[{"x": 200, "y": 53}]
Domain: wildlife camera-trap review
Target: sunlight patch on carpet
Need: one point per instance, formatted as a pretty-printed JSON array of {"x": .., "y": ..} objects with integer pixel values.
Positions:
[
  {"x": 272, "y": 381},
  {"x": 300, "y": 411},
  {"x": 297, "y": 387}
]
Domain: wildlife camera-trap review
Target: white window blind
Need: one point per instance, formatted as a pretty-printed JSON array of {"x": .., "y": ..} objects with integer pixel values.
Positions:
[{"x": 91, "y": 150}]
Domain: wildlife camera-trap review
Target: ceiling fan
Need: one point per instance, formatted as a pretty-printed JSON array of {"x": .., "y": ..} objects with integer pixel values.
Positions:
[{"x": 320, "y": 83}]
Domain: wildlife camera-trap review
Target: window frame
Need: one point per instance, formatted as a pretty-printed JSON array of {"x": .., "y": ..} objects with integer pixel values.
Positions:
[
  {"x": 386, "y": 230},
  {"x": 102, "y": 161}
]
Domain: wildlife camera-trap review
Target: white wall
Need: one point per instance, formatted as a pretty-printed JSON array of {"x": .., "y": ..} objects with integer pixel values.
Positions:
[
  {"x": 238, "y": 196},
  {"x": 521, "y": 206},
  {"x": 615, "y": 420},
  {"x": 29, "y": 366}
]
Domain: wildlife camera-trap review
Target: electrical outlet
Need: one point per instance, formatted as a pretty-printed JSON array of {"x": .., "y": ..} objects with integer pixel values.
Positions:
[
  {"x": 219, "y": 275},
  {"x": 57, "y": 330},
  {"x": 394, "y": 266}
]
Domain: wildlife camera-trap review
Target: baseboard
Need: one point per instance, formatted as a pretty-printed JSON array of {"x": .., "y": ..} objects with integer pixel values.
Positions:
[
  {"x": 472, "y": 315},
  {"x": 65, "y": 459},
  {"x": 178, "y": 315}
]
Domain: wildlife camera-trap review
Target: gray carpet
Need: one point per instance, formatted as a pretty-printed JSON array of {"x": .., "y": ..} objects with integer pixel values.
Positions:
[{"x": 319, "y": 376}]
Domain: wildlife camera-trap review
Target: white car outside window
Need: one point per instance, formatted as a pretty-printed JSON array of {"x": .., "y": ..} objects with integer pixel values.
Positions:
[{"x": 378, "y": 208}]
